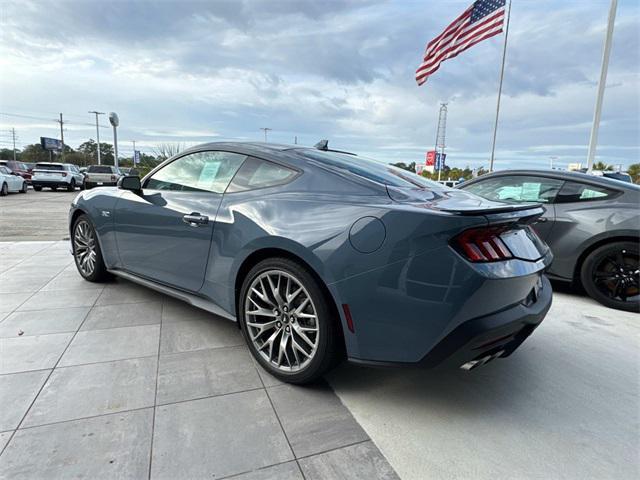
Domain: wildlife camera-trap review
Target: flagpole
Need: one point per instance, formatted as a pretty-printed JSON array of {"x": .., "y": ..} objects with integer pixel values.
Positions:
[
  {"x": 593, "y": 140},
  {"x": 504, "y": 56}
]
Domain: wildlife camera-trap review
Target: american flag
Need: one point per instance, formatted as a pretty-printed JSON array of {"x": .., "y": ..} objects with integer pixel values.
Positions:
[{"x": 483, "y": 19}]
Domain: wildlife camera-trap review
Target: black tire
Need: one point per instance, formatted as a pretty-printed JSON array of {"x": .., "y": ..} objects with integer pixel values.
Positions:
[
  {"x": 4, "y": 190},
  {"x": 53, "y": 189},
  {"x": 72, "y": 186},
  {"x": 24, "y": 187},
  {"x": 327, "y": 351},
  {"x": 99, "y": 273},
  {"x": 37, "y": 188},
  {"x": 609, "y": 275},
  {"x": 87, "y": 186}
]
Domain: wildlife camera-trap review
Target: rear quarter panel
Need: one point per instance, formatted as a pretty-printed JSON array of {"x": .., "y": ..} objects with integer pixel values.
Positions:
[{"x": 580, "y": 225}]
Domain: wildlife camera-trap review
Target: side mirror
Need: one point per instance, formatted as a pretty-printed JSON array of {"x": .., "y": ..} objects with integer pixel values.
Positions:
[{"x": 130, "y": 182}]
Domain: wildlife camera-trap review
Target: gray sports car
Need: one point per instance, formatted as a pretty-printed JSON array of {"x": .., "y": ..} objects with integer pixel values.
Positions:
[
  {"x": 317, "y": 253},
  {"x": 592, "y": 225}
]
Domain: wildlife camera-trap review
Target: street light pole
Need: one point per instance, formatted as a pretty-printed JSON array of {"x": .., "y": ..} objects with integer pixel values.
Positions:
[
  {"x": 265, "y": 129},
  {"x": 593, "y": 140},
  {"x": 97, "y": 132},
  {"x": 115, "y": 121}
]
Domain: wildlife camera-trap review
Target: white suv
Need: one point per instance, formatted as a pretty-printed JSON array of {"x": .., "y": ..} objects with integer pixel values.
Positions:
[{"x": 56, "y": 175}]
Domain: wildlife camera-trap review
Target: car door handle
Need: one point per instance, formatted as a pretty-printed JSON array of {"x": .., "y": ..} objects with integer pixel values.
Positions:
[{"x": 194, "y": 219}]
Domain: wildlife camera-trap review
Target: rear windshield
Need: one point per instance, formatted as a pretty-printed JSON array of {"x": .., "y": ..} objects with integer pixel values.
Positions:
[
  {"x": 99, "y": 169},
  {"x": 371, "y": 169},
  {"x": 49, "y": 166}
]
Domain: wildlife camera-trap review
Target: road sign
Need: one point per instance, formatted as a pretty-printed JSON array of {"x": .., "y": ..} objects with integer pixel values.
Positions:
[
  {"x": 136, "y": 157},
  {"x": 51, "y": 144}
]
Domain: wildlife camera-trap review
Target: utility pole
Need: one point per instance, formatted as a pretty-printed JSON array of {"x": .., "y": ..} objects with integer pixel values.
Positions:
[
  {"x": 61, "y": 122},
  {"x": 551, "y": 159},
  {"x": 593, "y": 140},
  {"x": 97, "y": 132},
  {"x": 295, "y": 140},
  {"x": 13, "y": 135},
  {"x": 440, "y": 137},
  {"x": 265, "y": 129}
]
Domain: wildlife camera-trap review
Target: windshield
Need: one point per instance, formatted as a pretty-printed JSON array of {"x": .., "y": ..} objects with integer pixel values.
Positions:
[
  {"x": 49, "y": 166},
  {"x": 371, "y": 169},
  {"x": 99, "y": 169}
]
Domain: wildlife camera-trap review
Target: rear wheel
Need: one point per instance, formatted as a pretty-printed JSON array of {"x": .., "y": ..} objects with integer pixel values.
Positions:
[
  {"x": 4, "y": 190},
  {"x": 611, "y": 274},
  {"x": 37, "y": 188},
  {"x": 86, "y": 251},
  {"x": 287, "y": 321}
]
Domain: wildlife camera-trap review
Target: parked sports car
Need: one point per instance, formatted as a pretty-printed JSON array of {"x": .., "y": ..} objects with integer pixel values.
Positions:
[
  {"x": 11, "y": 182},
  {"x": 591, "y": 223},
  {"x": 316, "y": 253}
]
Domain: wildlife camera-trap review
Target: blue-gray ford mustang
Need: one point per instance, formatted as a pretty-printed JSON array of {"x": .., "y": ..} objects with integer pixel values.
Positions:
[{"x": 319, "y": 253}]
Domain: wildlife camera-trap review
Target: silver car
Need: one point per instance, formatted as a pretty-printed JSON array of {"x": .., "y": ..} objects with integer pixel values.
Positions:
[{"x": 592, "y": 225}]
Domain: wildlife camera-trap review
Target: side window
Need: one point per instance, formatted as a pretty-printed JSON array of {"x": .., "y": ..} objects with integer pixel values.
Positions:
[
  {"x": 256, "y": 173},
  {"x": 518, "y": 188},
  {"x": 202, "y": 171},
  {"x": 581, "y": 192}
]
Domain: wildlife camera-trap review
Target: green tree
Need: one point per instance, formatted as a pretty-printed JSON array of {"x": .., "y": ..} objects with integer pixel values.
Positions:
[
  {"x": 634, "y": 172},
  {"x": 89, "y": 149},
  {"x": 35, "y": 153},
  {"x": 7, "y": 154},
  {"x": 602, "y": 166},
  {"x": 410, "y": 167}
]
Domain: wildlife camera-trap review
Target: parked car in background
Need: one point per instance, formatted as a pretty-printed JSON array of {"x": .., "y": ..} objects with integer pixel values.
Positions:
[
  {"x": 101, "y": 175},
  {"x": 591, "y": 223},
  {"x": 55, "y": 175},
  {"x": 19, "y": 168},
  {"x": 11, "y": 182},
  {"x": 314, "y": 252}
]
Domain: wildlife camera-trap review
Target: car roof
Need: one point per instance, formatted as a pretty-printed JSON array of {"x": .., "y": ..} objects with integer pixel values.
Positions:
[{"x": 559, "y": 174}]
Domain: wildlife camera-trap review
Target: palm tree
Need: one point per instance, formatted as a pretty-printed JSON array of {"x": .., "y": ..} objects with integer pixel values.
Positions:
[
  {"x": 602, "y": 166},
  {"x": 634, "y": 172}
]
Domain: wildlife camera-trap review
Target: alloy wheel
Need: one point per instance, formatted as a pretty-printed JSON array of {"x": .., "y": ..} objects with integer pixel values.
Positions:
[
  {"x": 281, "y": 320},
  {"x": 618, "y": 276},
  {"x": 84, "y": 243}
]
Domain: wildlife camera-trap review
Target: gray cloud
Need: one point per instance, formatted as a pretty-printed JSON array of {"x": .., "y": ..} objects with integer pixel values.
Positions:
[{"x": 337, "y": 69}]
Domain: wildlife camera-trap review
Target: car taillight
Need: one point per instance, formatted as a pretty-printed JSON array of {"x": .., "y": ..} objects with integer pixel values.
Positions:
[
  {"x": 113, "y": 178},
  {"x": 64, "y": 174},
  {"x": 482, "y": 244}
]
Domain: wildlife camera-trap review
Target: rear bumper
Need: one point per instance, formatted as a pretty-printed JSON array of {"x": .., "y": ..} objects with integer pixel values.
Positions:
[
  {"x": 91, "y": 184},
  {"x": 499, "y": 334},
  {"x": 49, "y": 183}
]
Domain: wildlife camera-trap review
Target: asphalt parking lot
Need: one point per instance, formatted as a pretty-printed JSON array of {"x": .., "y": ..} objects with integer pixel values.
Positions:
[
  {"x": 117, "y": 381},
  {"x": 35, "y": 215}
]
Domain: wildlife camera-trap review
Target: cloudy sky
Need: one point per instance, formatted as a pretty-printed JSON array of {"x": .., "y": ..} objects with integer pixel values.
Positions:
[{"x": 194, "y": 72}]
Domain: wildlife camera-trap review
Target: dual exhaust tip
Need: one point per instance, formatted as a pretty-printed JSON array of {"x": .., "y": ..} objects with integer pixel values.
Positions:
[{"x": 478, "y": 362}]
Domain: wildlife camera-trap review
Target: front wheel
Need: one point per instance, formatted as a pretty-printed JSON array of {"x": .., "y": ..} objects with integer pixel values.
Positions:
[
  {"x": 86, "y": 251},
  {"x": 4, "y": 190},
  {"x": 287, "y": 321},
  {"x": 37, "y": 188},
  {"x": 24, "y": 187},
  {"x": 72, "y": 186},
  {"x": 611, "y": 274}
]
